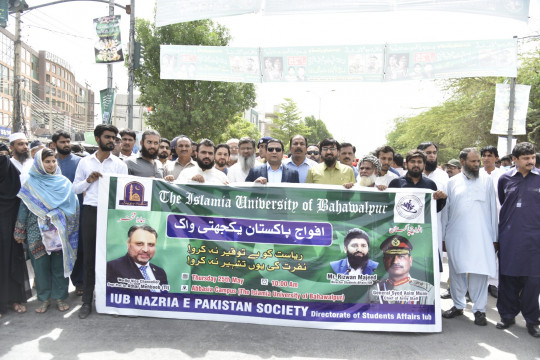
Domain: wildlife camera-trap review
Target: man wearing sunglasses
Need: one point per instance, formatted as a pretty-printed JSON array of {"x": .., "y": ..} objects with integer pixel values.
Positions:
[
  {"x": 273, "y": 171},
  {"x": 313, "y": 153}
]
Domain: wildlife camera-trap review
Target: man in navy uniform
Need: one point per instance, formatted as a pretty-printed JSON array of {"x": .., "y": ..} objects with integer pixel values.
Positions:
[{"x": 400, "y": 287}]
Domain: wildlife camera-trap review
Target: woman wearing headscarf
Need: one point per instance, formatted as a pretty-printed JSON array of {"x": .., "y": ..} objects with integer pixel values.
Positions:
[
  {"x": 14, "y": 285},
  {"x": 48, "y": 224}
]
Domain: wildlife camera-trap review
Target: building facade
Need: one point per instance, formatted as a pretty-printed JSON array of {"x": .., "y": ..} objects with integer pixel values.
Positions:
[{"x": 51, "y": 98}]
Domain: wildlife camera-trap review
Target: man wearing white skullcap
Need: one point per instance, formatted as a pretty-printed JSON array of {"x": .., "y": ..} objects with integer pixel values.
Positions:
[{"x": 21, "y": 154}]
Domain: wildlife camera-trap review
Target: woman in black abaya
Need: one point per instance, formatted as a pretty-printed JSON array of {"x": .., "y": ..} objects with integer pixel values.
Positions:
[{"x": 14, "y": 285}]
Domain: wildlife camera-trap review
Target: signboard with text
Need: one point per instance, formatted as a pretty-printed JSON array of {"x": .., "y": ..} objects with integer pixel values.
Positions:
[{"x": 277, "y": 255}]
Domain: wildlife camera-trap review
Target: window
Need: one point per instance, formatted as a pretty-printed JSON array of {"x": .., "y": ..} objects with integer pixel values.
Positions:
[
  {"x": 48, "y": 78},
  {"x": 54, "y": 68},
  {"x": 48, "y": 66}
]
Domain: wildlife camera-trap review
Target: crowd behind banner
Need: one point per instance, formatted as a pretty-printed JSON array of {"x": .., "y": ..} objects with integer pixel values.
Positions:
[{"x": 486, "y": 215}]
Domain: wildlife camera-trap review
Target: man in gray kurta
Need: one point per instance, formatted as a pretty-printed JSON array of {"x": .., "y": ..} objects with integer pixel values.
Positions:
[{"x": 469, "y": 225}]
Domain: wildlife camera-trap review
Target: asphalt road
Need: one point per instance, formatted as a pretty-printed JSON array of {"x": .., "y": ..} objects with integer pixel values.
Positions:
[{"x": 56, "y": 335}]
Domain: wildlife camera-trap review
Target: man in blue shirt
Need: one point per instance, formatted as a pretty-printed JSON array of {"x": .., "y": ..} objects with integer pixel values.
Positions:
[
  {"x": 298, "y": 160},
  {"x": 68, "y": 165}
]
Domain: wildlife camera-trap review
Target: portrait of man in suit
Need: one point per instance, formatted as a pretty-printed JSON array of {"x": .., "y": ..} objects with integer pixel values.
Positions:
[
  {"x": 274, "y": 171},
  {"x": 141, "y": 248},
  {"x": 357, "y": 262}
]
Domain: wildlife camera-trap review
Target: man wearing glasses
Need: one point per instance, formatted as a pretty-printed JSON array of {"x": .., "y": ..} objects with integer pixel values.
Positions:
[
  {"x": 273, "y": 171},
  {"x": 330, "y": 171}
]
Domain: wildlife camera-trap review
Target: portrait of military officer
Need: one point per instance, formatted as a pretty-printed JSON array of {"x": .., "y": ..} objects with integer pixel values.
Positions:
[
  {"x": 399, "y": 287},
  {"x": 357, "y": 262},
  {"x": 141, "y": 248}
]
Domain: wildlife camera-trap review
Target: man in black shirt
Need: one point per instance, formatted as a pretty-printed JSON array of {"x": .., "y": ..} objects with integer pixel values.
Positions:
[{"x": 416, "y": 162}]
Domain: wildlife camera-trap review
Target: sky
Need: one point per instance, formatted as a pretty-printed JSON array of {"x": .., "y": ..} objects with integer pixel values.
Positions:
[{"x": 360, "y": 113}]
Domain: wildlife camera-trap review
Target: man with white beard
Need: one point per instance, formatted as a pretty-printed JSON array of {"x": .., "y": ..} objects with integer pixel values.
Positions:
[
  {"x": 246, "y": 161},
  {"x": 368, "y": 166},
  {"x": 469, "y": 228},
  {"x": 233, "y": 148}
]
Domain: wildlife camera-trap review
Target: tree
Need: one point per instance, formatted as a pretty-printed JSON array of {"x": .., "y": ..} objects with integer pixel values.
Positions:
[
  {"x": 237, "y": 128},
  {"x": 464, "y": 120},
  {"x": 199, "y": 109},
  {"x": 288, "y": 123},
  {"x": 318, "y": 130}
]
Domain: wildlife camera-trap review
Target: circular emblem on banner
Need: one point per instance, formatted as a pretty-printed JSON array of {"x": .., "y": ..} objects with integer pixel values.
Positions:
[{"x": 409, "y": 207}]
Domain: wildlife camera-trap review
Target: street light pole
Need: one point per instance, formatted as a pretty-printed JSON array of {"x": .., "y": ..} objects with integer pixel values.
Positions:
[
  {"x": 18, "y": 125},
  {"x": 131, "y": 68}
]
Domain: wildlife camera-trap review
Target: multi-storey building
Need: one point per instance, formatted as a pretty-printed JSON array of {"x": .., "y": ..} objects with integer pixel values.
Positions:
[{"x": 51, "y": 98}]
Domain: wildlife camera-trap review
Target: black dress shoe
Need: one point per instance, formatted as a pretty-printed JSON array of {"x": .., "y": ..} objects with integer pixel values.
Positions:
[
  {"x": 505, "y": 323},
  {"x": 452, "y": 313},
  {"x": 446, "y": 295},
  {"x": 480, "y": 318},
  {"x": 533, "y": 330},
  {"x": 86, "y": 309},
  {"x": 493, "y": 291}
]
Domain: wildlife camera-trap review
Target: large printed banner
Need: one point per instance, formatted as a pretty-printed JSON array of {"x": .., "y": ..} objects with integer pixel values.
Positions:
[
  {"x": 176, "y": 11},
  {"x": 282, "y": 255},
  {"x": 365, "y": 63}
]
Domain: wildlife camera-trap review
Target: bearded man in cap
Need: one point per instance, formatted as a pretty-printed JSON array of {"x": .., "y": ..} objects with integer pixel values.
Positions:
[
  {"x": 399, "y": 287},
  {"x": 18, "y": 144},
  {"x": 369, "y": 167}
]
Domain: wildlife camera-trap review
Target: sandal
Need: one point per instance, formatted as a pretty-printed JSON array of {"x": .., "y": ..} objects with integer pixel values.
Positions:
[
  {"x": 62, "y": 305},
  {"x": 43, "y": 307},
  {"x": 18, "y": 308}
]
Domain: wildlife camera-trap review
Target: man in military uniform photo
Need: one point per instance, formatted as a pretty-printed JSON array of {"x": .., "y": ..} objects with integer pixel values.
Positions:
[{"x": 399, "y": 287}]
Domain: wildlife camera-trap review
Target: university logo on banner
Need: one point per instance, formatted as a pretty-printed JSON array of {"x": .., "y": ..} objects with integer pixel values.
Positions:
[
  {"x": 134, "y": 194},
  {"x": 409, "y": 208}
]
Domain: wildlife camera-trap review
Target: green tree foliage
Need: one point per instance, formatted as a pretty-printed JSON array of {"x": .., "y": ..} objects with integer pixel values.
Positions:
[
  {"x": 318, "y": 130},
  {"x": 288, "y": 123},
  {"x": 464, "y": 120},
  {"x": 238, "y": 127},
  {"x": 199, "y": 109}
]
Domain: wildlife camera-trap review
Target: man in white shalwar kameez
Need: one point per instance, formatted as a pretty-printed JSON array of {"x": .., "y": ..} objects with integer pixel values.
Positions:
[{"x": 470, "y": 229}]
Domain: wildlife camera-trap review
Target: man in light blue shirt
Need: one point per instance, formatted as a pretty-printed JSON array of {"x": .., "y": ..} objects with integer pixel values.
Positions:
[{"x": 298, "y": 160}]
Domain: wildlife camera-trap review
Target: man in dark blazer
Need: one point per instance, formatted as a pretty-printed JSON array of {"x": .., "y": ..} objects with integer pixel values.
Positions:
[
  {"x": 136, "y": 263},
  {"x": 273, "y": 171}
]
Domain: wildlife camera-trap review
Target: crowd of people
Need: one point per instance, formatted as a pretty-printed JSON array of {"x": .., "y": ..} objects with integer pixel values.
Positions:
[{"x": 487, "y": 215}]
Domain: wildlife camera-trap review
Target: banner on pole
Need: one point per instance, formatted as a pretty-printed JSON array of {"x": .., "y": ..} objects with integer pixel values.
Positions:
[
  {"x": 108, "y": 48},
  {"x": 268, "y": 255},
  {"x": 107, "y": 104},
  {"x": 501, "y": 112}
]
